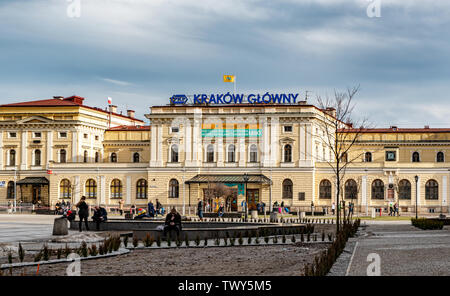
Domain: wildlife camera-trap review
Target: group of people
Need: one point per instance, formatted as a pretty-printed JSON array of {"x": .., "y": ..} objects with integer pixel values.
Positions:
[
  {"x": 61, "y": 208},
  {"x": 280, "y": 208},
  {"x": 100, "y": 214},
  {"x": 393, "y": 209}
]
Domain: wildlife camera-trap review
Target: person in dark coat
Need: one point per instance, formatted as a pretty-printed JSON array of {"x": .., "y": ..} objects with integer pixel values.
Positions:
[
  {"x": 151, "y": 209},
  {"x": 100, "y": 215},
  {"x": 83, "y": 212},
  {"x": 158, "y": 207},
  {"x": 173, "y": 222}
]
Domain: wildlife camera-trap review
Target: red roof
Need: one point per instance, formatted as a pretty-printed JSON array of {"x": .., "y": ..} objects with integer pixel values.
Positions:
[
  {"x": 58, "y": 102},
  {"x": 130, "y": 128},
  {"x": 398, "y": 130}
]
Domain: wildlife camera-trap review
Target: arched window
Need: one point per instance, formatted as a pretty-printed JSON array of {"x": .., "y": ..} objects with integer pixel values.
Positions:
[
  {"x": 368, "y": 157},
  {"x": 62, "y": 155},
  {"x": 116, "y": 188},
  {"x": 10, "y": 190},
  {"x": 210, "y": 153},
  {"x": 377, "y": 189},
  {"x": 65, "y": 190},
  {"x": 135, "y": 157},
  {"x": 431, "y": 190},
  {"x": 96, "y": 156},
  {"x": 287, "y": 188},
  {"x": 85, "y": 156},
  {"x": 325, "y": 189},
  {"x": 404, "y": 189},
  {"x": 253, "y": 153},
  {"x": 91, "y": 188},
  {"x": 415, "y": 157},
  {"x": 141, "y": 189},
  {"x": 344, "y": 157},
  {"x": 440, "y": 156},
  {"x": 12, "y": 157},
  {"x": 37, "y": 157},
  {"x": 351, "y": 189},
  {"x": 287, "y": 153},
  {"x": 174, "y": 153},
  {"x": 173, "y": 189},
  {"x": 113, "y": 157},
  {"x": 231, "y": 153}
]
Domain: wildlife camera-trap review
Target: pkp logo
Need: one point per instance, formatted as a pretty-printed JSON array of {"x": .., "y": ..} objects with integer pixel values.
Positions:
[{"x": 178, "y": 99}]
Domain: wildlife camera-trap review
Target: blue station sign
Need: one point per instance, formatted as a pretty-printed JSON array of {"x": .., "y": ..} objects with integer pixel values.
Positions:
[{"x": 229, "y": 98}]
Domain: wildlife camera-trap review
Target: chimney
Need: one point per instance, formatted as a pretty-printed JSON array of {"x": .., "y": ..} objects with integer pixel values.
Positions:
[
  {"x": 394, "y": 127},
  {"x": 330, "y": 111},
  {"x": 113, "y": 109},
  {"x": 130, "y": 113},
  {"x": 76, "y": 99},
  {"x": 427, "y": 127},
  {"x": 58, "y": 97}
]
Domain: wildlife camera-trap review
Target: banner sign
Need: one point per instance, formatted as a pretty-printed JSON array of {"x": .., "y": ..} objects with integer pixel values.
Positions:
[
  {"x": 228, "y": 98},
  {"x": 231, "y": 133}
]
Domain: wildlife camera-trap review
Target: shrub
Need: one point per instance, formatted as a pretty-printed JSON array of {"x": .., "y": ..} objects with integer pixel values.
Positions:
[
  {"x": 38, "y": 256},
  {"x": 158, "y": 241},
  {"x": 293, "y": 238},
  {"x": 186, "y": 241},
  {"x": 135, "y": 242},
  {"x": 257, "y": 240},
  {"x": 58, "y": 253},
  {"x": 275, "y": 239},
  {"x": 45, "y": 253},
  {"x": 206, "y": 242},
  {"x": 116, "y": 243},
  {"x": 10, "y": 257},
  {"x": 283, "y": 239},
  {"x": 217, "y": 241},
  {"x": 302, "y": 238},
  {"x": 315, "y": 237},
  {"x": 232, "y": 241},
  {"x": 148, "y": 241},
  {"x": 93, "y": 250},
  {"x": 125, "y": 241},
  {"x": 197, "y": 240},
  {"x": 240, "y": 239},
  {"x": 21, "y": 253},
  {"x": 308, "y": 237},
  {"x": 266, "y": 239},
  {"x": 330, "y": 237},
  {"x": 249, "y": 240},
  {"x": 101, "y": 250},
  {"x": 84, "y": 249},
  {"x": 427, "y": 224}
]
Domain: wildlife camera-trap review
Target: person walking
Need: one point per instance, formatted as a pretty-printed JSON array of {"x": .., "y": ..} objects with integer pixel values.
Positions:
[
  {"x": 151, "y": 209},
  {"x": 158, "y": 207},
  {"x": 282, "y": 207},
  {"x": 333, "y": 208},
  {"x": 121, "y": 207},
  {"x": 83, "y": 212},
  {"x": 200, "y": 209}
]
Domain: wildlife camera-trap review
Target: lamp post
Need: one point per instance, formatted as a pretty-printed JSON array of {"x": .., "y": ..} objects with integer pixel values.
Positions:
[
  {"x": 417, "y": 179},
  {"x": 246, "y": 196},
  {"x": 15, "y": 185}
]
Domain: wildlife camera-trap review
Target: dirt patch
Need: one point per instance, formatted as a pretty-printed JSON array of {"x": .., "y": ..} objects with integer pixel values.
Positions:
[{"x": 287, "y": 260}]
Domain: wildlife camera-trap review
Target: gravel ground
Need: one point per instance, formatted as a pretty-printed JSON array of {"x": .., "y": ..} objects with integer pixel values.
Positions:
[{"x": 287, "y": 260}]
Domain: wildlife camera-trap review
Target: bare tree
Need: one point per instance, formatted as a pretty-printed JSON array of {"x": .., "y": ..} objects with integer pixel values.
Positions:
[{"x": 340, "y": 132}]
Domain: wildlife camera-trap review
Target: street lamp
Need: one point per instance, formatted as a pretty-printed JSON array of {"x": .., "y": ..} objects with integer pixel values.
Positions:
[
  {"x": 15, "y": 193},
  {"x": 417, "y": 179},
  {"x": 246, "y": 197}
]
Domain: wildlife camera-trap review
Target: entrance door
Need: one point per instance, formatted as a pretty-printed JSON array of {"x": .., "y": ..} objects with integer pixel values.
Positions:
[
  {"x": 252, "y": 198},
  {"x": 36, "y": 193}
]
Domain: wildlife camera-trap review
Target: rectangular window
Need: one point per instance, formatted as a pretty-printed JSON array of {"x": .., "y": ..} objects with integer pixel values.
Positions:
[
  {"x": 63, "y": 134},
  {"x": 390, "y": 156},
  {"x": 37, "y": 135},
  {"x": 85, "y": 136},
  {"x": 175, "y": 129},
  {"x": 301, "y": 196},
  {"x": 288, "y": 128},
  {"x": 12, "y": 134},
  {"x": 96, "y": 138}
]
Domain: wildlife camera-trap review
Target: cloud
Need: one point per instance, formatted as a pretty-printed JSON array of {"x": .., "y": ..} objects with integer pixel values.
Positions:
[{"x": 116, "y": 82}]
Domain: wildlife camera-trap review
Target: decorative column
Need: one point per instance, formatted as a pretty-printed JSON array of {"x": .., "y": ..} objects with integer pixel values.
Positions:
[
  {"x": 1, "y": 151},
  {"x": 128, "y": 197},
  {"x": 160, "y": 152},
  {"x": 102, "y": 190},
  {"x": 364, "y": 194},
  {"x": 153, "y": 131},
  {"x": 301, "y": 145},
  {"x": 275, "y": 146},
  {"x": 77, "y": 192},
  {"x": 220, "y": 148},
  {"x": 23, "y": 150},
  {"x": 308, "y": 150},
  {"x": 49, "y": 146},
  {"x": 187, "y": 142},
  {"x": 265, "y": 147},
  {"x": 241, "y": 152},
  {"x": 74, "y": 145}
]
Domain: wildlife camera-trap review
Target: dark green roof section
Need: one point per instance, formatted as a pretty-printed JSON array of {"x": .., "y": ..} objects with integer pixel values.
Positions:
[
  {"x": 33, "y": 180},
  {"x": 229, "y": 179}
]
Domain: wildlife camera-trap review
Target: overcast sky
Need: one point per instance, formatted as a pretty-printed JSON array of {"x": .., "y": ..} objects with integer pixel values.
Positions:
[{"x": 140, "y": 52}]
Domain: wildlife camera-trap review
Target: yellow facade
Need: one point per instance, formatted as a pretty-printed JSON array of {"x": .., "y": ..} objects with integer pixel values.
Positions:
[{"x": 278, "y": 146}]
